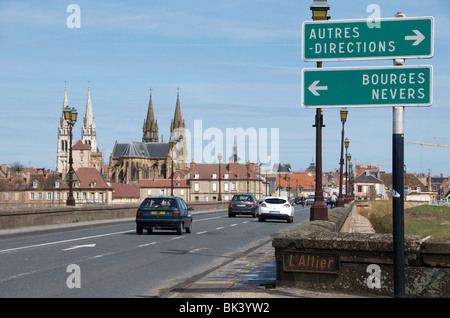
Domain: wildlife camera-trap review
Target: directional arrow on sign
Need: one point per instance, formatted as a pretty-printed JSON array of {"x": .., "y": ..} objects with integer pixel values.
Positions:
[
  {"x": 418, "y": 37},
  {"x": 78, "y": 246},
  {"x": 313, "y": 88}
]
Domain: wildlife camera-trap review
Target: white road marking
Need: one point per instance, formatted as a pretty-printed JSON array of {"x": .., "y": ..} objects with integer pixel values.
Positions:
[
  {"x": 64, "y": 241},
  {"x": 78, "y": 246}
]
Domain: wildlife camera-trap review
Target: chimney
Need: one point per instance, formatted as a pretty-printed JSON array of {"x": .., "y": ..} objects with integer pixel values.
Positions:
[
  {"x": 429, "y": 181},
  {"x": 192, "y": 166}
]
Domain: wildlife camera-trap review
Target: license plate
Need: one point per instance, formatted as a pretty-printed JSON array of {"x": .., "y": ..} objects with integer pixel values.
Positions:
[
  {"x": 274, "y": 211},
  {"x": 158, "y": 212},
  {"x": 241, "y": 205}
]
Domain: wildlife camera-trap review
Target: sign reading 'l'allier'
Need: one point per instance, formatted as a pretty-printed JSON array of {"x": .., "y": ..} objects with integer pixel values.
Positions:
[
  {"x": 367, "y": 87},
  {"x": 335, "y": 40}
]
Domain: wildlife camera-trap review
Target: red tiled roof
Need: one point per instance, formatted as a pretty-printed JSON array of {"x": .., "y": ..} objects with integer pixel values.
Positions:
[
  {"x": 122, "y": 190},
  {"x": 79, "y": 145},
  {"x": 163, "y": 183},
  {"x": 89, "y": 175},
  {"x": 235, "y": 171}
]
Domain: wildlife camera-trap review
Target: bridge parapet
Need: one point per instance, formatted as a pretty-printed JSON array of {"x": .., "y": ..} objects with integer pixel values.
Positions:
[{"x": 318, "y": 255}]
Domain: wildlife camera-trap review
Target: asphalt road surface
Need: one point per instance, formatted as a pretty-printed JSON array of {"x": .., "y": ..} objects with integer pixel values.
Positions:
[{"x": 113, "y": 261}]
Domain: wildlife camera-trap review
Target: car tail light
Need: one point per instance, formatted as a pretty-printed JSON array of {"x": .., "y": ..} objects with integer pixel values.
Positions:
[
  {"x": 231, "y": 203},
  {"x": 286, "y": 205},
  {"x": 139, "y": 212},
  {"x": 252, "y": 203},
  {"x": 176, "y": 213},
  {"x": 263, "y": 204}
]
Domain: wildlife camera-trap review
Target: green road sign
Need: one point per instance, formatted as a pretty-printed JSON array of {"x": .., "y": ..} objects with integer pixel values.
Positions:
[
  {"x": 335, "y": 40},
  {"x": 367, "y": 86}
]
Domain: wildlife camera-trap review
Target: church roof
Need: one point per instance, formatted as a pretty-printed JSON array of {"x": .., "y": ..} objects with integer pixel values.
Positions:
[{"x": 141, "y": 149}]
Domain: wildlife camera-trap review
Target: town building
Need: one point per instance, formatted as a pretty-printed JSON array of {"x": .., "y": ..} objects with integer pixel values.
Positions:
[
  {"x": 33, "y": 187},
  {"x": 206, "y": 182}
]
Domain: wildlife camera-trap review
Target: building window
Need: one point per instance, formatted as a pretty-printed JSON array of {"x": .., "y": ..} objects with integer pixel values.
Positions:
[
  {"x": 57, "y": 184},
  {"x": 233, "y": 186},
  {"x": 225, "y": 176},
  {"x": 182, "y": 192},
  {"x": 214, "y": 187},
  {"x": 149, "y": 192},
  {"x": 162, "y": 191},
  {"x": 225, "y": 187},
  {"x": 214, "y": 176},
  {"x": 35, "y": 184},
  {"x": 196, "y": 187},
  {"x": 196, "y": 176}
]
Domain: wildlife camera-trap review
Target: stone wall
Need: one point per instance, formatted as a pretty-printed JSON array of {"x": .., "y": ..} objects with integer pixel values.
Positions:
[
  {"x": 319, "y": 255},
  {"x": 15, "y": 218}
]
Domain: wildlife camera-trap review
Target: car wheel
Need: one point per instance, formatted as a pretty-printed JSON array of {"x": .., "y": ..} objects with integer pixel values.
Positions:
[
  {"x": 189, "y": 228},
  {"x": 260, "y": 219},
  {"x": 150, "y": 230},
  {"x": 180, "y": 229},
  {"x": 139, "y": 230},
  {"x": 231, "y": 215}
]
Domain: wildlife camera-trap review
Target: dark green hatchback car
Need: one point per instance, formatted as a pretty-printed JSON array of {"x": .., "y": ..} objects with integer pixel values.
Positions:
[{"x": 165, "y": 213}]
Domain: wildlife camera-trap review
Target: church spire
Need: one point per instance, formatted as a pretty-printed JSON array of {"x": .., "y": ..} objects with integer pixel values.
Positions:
[
  {"x": 150, "y": 128},
  {"x": 177, "y": 121},
  {"x": 88, "y": 128},
  {"x": 62, "y": 152}
]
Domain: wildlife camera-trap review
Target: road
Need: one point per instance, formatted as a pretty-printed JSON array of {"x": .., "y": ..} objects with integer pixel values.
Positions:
[{"x": 112, "y": 261}]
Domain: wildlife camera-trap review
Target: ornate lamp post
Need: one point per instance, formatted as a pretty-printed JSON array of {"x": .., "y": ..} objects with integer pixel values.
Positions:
[
  {"x": 340, "y": 201},
  {"x": 319, "y": 210},
  {"x": 346, "y": 143},
  {"x": 70, "y": 115},
  {"x": 219, "y": 198},
  {"x": 171, "y": 145}
]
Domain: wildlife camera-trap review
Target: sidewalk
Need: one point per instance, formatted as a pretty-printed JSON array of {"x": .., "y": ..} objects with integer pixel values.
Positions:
[{"x": 254, "y": 275}]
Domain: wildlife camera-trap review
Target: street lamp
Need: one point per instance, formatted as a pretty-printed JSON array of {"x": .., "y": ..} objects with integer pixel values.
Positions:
[
  {"x": 350, "y": 168},
  {"x": 319, "y": 210},
  {"x": 219, "y": 156},
  {"x": 171, "y": 145},
  {"x": 340, "y": 201},
  {"x": 247, "y": 165},
  {"x": 347, "y": 191},
  {"x": 346, "y": 143},
  {"x": 319, "y": 10},
  {"x": 70, "y": 115}
]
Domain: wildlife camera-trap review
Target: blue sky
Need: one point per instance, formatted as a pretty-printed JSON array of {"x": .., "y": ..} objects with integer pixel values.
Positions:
[{"x": 237, "y": 64}]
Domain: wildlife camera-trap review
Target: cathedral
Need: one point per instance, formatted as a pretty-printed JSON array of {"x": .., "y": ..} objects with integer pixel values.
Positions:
[
  {"x": 85, "y": 152},
  {"x": 150, "y": 158}
]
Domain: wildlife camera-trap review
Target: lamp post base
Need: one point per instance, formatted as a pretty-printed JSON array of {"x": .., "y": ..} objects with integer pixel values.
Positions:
[
  {"x": 319, "y": 211},
  {"x": 340, "y": 202},
  {"x": 70, "y": 201}
]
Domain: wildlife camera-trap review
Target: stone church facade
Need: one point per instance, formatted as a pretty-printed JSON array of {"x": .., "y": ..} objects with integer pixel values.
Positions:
[{"x": 151, "y": 158}]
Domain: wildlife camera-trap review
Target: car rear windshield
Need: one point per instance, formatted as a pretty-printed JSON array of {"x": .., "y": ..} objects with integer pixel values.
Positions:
[
  {"x": 242, "y": 198},
  {"x": 275, "y": 201},
  {"x": 159, "y": 203}
]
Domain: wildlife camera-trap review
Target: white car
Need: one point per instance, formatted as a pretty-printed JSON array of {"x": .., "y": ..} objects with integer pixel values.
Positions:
[{"x": 277, "y": 208}]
